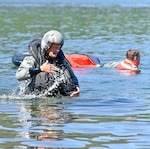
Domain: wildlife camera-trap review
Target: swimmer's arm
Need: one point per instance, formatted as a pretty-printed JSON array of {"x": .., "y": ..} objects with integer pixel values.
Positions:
[{"x": 111, "y": 65}]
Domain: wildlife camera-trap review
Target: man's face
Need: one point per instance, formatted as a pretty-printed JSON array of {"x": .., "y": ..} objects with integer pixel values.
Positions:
[{"x": 53, "y": 51}]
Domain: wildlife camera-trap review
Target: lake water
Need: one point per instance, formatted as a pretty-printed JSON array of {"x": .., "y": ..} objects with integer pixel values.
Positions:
[{"x": 113, "y": 109}]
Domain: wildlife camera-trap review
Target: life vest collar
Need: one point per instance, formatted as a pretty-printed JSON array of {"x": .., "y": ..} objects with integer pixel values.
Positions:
[{"x": 127, "y": 64}]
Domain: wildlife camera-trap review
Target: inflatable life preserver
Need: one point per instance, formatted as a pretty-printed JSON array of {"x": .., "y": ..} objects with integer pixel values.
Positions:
[
  {"x": 75, "y": 60},
  {"x": 18, "y": 57},
  {"x": 82, "y": 60}
]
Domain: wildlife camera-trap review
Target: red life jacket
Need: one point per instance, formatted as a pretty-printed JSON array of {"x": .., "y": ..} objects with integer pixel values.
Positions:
[
  {"x": 127, "y": 65},
  {"x": 80, "y": 61}
]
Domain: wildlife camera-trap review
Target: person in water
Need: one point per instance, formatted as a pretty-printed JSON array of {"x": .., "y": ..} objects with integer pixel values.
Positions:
[
  {"x": 47, "y": 71},
  {"x": 131, "y": 62}
]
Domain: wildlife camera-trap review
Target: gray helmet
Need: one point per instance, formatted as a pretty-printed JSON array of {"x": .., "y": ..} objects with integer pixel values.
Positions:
[{"x": 50, "y": 37}]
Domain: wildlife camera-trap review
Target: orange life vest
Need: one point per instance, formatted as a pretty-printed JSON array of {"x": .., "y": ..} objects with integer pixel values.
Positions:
[
  {"x": 127, "y": 65},
  {"x": 80, "y": 61}
]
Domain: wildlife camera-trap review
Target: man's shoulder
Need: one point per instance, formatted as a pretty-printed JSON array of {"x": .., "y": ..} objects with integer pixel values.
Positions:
[{"x": 29, "y": 58}]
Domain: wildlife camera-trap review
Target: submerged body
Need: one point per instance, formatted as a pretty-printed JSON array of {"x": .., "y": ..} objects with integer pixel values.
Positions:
[
  {"x": 61, "y": 78},
  {"x": 131, "y": 62},
  {"x": 48, "y": 72}
]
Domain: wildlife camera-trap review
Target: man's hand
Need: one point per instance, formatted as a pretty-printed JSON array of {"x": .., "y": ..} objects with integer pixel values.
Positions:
[
  {"x": 47, "y": 67},
  {"x": 75, "y": 93}
]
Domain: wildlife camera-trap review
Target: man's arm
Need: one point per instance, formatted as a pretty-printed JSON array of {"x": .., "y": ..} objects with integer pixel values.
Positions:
[
  {"x": 111, "y": 64},
  {"x": 26, "y": 69}
]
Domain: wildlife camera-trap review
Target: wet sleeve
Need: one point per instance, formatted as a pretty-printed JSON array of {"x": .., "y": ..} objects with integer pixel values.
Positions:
[
  {"x": 34, "y": 71},
  {"x": 23, "y": 72},
  {"x": 111, "y": 64}
]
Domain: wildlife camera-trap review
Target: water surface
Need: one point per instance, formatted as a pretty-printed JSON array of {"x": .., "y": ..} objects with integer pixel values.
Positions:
[{"x": 113, "y": 108}]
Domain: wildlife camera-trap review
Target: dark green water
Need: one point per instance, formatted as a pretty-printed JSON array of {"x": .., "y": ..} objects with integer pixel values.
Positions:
[{"x": 112, "y": 111}]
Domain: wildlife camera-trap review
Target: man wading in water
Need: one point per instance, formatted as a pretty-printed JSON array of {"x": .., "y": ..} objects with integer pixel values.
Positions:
[{"x": 47, "y": 71}]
